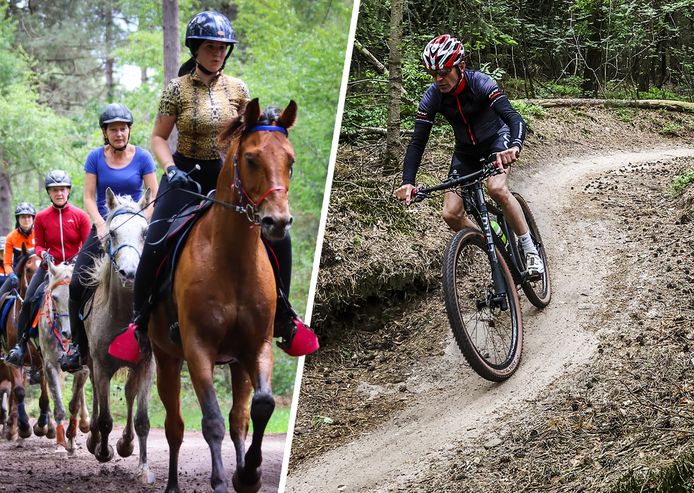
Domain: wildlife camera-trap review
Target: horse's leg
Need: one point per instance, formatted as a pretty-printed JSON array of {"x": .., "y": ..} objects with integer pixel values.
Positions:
[
  {"x": 169, "y": 387},
  {"x": 104, "y": 421},
  {"x": 145, "y": 373},
  {"x": 125, "y": 442},
  {"x": 239, "y": 416},
  {"x": 84, "y": 411},
  {"x": 53, "y": 376},
  {"x": 75, "y": 406},
  {"x": 93, "y": 436},
  {"x": 249, "y": 477},
  {"x": 23, "y": 425},
  {"x": 11, "y": 431},
  {"x": 41, "y": 425}
]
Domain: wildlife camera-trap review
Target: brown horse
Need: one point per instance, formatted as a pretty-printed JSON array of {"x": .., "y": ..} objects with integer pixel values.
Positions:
[
  {"x": 224, "y": 295},
  {"x": 18, "y": 419}
]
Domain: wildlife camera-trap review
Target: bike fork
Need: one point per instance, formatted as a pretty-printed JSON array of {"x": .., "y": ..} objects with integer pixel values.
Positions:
[{"x": 499, "y": 297}]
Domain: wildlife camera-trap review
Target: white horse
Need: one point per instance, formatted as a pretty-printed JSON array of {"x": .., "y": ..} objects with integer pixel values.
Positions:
[
  {"x": 113, "y": 276},
  {"x": 54, "y": 332}
]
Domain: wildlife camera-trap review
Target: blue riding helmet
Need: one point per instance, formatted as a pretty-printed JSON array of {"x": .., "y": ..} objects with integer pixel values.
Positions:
[{"x": 209, "y": 25}]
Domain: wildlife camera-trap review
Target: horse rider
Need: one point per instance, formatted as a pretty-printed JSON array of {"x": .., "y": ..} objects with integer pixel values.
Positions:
[
  {"x": 124, "y": 168},
  {"x": 60, "y": 230},
  {"x": 200, "y": 102},
  {"x": 21, "y": 236},
  {"x": 484, "y": 122}
]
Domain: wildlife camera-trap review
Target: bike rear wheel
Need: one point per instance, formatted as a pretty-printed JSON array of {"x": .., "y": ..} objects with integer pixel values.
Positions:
[
  {"x": 538, "y": 291},
  {"x": 491, "y": 339}
]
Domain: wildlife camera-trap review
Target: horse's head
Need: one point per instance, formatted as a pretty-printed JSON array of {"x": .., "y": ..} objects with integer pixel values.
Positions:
[
  {"x": 58, "y": 289},
  {"x": 27, "y": 265},
  {"x": 263, "y": 164},
  {"x": 126, "y": 226}
]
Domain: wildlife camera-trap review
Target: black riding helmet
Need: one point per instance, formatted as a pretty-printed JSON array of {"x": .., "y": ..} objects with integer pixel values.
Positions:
[
  {"x": 208, "y": 25},
  {"x": 57, "y": 178},
  {"x": 115, "y": 112},
  {"x": 24, "y": 208}
]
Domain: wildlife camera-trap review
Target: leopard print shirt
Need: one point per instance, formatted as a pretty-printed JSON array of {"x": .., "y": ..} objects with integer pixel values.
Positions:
[{"x": 202, "y": 111}]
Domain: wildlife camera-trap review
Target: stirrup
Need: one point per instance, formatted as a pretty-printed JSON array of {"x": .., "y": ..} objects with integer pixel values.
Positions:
[
  {"x": 16, "y": 355},
  {"x": 71, "y": 360},
  {"x": 125, "y": 345},
  {"x": 301, "y": 341}
]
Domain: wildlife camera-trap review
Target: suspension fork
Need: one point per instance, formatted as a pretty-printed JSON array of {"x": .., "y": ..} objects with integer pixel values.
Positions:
[{"x": 499, "y": 297}]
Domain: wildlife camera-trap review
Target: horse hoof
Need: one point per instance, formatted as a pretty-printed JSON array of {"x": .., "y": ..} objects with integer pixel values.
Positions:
[
  {"x": 91, "y": 443},
  {"x": 71, "y": 429},
  {"x": 50, "y": 433},
  {"x": 125, "y": 448},
  {"x": 172, "y": 489},
  {"x": 25, "y": 432},
  {"x": 39, "y": 431},
  {"x": 145, "y": 475},
  {"x": 245, "y": 488},
  {"x": 107, "y": 457},
  {"x": 85, "y": 426}
]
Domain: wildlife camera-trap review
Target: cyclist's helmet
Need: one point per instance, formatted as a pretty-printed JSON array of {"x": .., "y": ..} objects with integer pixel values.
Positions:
[
  {"x": 209, "y": 25},
  {"x": 24, "y": 208},
  {"x": 58, "y": 178},
  {"x": 443, "y": 52},
  {"x": 115, "y": 112}
]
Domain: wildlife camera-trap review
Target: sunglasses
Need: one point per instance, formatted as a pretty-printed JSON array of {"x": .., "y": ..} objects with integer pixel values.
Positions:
[{"x": 440, "y": 73}]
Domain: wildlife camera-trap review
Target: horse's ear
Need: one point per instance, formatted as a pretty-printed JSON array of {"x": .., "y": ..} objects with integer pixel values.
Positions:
[
  {"x": 51, "y": 266},
  {"x": 111, "y": 200},
  {"x": 144, "y": 200},
  {"x": 251, "y": 113},
  {"x": 288, "y": 116},
  {"x": 24, "y": 249}
]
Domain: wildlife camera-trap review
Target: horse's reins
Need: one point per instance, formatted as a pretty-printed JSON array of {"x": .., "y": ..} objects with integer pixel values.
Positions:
[{"x": 111, "y": 252}]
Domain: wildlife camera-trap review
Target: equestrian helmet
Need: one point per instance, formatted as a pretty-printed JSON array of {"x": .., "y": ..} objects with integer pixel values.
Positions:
[
  {"x": 115, "y": 112},
  {"x": 24, "y": 208},
  {"x": 209, "y": 25},
  {"x": 443, "y": 52},
  {"x": 58, "y": 178}
]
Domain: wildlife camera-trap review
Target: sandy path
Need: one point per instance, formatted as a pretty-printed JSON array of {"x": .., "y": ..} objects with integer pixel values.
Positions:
[{"x": 461, "y": 405}]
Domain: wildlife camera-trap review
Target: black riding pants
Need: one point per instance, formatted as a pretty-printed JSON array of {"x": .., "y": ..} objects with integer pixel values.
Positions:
[
  {"x": 91, "y": 250},
  {"x": 169, "y": 202}
]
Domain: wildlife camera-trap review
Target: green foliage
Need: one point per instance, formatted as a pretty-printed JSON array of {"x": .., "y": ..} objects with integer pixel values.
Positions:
[
  {"x": 671, "y": 128},
  {"x": 626, "y": 115},
  {"x": 676, "y": 478},
  {"x": 529, "y": 111},
  {"x": 680, "y": 182}
]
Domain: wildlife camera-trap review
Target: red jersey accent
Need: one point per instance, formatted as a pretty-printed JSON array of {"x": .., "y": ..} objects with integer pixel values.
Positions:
[{"x": 61, "y": 232}]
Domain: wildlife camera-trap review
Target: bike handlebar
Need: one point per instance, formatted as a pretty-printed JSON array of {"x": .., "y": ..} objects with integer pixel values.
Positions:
[{"x": 489, "y": 169}]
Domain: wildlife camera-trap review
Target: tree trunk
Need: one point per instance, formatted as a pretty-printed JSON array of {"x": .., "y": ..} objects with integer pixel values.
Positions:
[
  {"x": 5, "y": 202},
  {"x": 393, "y": 146},
  {"x": 172, "y": 51}
]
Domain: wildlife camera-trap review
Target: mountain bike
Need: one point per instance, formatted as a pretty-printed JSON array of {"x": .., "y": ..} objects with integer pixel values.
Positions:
[{"x": 481, "y": 271}]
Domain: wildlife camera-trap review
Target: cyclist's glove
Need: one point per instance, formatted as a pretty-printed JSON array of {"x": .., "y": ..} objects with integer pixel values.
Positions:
[{"x": 177, "y": 178}]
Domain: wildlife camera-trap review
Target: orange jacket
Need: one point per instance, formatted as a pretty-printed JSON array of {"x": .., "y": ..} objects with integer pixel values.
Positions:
[{"x": 13, "y": 246}]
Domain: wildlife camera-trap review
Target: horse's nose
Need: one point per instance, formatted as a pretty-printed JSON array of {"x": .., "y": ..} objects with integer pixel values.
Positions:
[
  {"x": 65, "y": 333},
  {"x": 282, "y": 222}
]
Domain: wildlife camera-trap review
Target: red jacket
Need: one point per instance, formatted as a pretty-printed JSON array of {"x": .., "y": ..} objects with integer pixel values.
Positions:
[{"x": 61, "y": 232}]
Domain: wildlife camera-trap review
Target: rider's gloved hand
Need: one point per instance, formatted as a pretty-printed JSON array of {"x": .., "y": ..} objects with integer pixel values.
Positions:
[
  {"x": 46, "y": 257},
  {"x": 405, "y": 193},
  {"x": 13, "y": 277},
  {"x": 177, "y": 178}
]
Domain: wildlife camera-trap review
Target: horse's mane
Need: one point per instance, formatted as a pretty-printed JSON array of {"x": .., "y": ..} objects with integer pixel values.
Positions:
[
  {"x": 100, "y": 273},
  {"x": 237, "y": 126}
]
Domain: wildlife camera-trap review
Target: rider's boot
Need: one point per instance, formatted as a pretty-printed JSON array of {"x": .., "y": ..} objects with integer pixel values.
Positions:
[
  {"x": 297, "y": 338},
  {"x": 132, "y": 342},
  {"x": 73, "y": 359},
  {"x": 16, "y": 355}
]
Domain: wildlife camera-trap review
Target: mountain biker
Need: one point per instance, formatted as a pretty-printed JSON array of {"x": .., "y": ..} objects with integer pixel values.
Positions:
[
  {"x": 60, "y": 231},
  {"x": 21, "y": 236},
  {"x": 124, "y": 168},
  {"x": 200, "y": 102},
  {"x": 484, "y": 122}
]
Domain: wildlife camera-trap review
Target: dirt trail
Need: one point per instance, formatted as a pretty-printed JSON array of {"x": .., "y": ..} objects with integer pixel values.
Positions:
[
  {"x": 452, "y": 405},
  {"x": 34, "y": 466}
]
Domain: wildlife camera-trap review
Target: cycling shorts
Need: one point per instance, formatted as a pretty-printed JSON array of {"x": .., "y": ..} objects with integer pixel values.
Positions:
[{"x": 470, "y": 159}]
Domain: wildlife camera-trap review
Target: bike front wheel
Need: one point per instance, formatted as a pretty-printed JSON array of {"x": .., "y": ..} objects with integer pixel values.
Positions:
[{"x": 489, "y": 336}]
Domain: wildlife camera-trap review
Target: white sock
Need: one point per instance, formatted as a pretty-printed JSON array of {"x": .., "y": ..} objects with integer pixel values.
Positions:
[{"x": 527, "y": 243}]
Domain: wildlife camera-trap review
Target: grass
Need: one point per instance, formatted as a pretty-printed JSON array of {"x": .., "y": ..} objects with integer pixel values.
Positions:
[
  {"x": 190, "y": 408},
  {"x": 680, "y": 182}
]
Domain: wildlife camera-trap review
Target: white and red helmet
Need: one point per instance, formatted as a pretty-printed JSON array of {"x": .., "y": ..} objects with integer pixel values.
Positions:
[{"x": 443, "y": 52}]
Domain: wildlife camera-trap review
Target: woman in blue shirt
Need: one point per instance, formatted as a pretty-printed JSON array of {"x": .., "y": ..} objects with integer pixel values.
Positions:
[{"x": 124, "y": 168}]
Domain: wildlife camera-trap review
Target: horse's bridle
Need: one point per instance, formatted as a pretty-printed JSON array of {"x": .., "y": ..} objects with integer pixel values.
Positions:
[
  {"x": 53, "y": 317},
  {"x": 111, "y": 252},
  {"x": 248, "y": 206}
]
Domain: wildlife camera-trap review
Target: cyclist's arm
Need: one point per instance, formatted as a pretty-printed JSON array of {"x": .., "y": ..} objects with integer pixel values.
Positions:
[{"x": 502, "y": 107}]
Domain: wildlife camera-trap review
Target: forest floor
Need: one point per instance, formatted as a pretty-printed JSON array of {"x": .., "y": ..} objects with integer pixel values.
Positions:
[
  {"x": 603, "y": 399},
  {"x": 37, "y": 465}
]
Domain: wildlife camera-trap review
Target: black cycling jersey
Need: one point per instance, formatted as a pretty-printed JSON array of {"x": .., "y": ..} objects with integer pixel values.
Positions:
[{"x": 477, "y": 110}]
